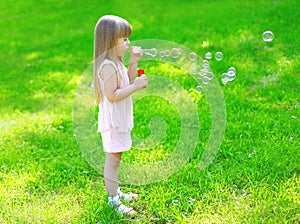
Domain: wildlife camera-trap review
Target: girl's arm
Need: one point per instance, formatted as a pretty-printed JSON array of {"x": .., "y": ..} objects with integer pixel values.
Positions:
[
  {"x": 115, "y": 94},
  {"x": 133, "y": 63},
  {"x": 131, "y": 71}
]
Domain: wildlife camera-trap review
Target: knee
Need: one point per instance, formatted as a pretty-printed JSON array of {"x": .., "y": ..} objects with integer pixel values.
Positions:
[{"x": 113, "y": 161}]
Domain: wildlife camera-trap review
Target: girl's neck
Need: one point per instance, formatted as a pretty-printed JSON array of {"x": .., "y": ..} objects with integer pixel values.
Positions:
[{"x": 120, "y": 59}]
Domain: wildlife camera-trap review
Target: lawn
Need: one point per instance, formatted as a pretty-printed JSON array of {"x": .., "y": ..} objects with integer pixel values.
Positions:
[{"x": 244, "y": 165}]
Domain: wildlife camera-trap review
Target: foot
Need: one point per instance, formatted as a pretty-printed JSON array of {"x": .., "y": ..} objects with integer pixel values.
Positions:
[
  {"x": 119, "y": 207},
  {"x": 128, "y": 197}
]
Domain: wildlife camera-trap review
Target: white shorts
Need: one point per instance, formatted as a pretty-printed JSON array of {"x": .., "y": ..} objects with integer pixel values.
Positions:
[{"x": 114, "y": 141}]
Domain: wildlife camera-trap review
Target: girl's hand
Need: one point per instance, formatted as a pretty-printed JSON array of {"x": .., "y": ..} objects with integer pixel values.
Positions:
[
  {"x": 140, "y": 82},
  {"x": 135, "y": 57}
]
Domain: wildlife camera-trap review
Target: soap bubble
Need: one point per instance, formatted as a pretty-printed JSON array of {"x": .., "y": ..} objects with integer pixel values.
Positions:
[
  {"x": 152, "y": 52},
  {"x": 205, "y": 80},
  {"x": 162, "y": 54},
  {"x": 268, "y": 36},
  {"x": 203, "y": 72},
  {"x": 224, "y": 80},
  {"x": 208, "y": 55},
  {"x": 146, "y": 51},
  {"x": 232, "y": 69},
  {"x": 175, "y": 52},
  {"x": 167, "y": 53},
  {"x": 193, "y": 56},
  {"x": 193, "y": 69},
  {"x": 224, "y": 75},
  {"x": 230, "y": 79},
  {"x": 199, "y": 89},
  {"x": 205, "y": 64},
  {"x": 219, "y": 56},
  {"x": 231, "y": 73},
  {"x": 209, "y": 75},
  {"x": 179, "y": 50},
  {"x": 230, "y": 76}
]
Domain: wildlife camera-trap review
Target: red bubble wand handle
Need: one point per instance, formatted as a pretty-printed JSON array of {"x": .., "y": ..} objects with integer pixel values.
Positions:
[{"x": 140, "y": 72}]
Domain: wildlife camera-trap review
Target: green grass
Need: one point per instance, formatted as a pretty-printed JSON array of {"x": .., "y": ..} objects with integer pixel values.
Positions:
[{"x": 254, "y": 178}]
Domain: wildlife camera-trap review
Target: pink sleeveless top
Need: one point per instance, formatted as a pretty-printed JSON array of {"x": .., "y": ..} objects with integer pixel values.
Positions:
[{"x": 116, "y": 115}]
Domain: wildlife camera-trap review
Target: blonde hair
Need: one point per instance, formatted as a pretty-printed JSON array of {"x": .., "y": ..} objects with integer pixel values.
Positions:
[{"x": 108, "y": 30}]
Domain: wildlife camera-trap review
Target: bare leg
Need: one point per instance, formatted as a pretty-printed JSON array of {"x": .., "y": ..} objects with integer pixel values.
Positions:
[
  {"x": 111, "y": 172},
  {"x": 112, "y": 183}
]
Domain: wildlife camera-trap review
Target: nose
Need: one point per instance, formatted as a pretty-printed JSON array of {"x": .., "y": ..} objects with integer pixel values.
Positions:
[{"x": 128, "y": 41}]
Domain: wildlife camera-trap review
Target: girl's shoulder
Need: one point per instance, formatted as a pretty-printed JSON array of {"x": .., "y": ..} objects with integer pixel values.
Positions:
[
  {"x": 107, "y": 64},
  {"x": 118, "y": 66},
  {"x": 107, "y": 68}
]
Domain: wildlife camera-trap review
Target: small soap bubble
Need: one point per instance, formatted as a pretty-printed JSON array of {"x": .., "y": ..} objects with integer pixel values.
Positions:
[
  {"x": 219, "y": 56},
  {"x": 199, "y": 89},
  {"x": 232, "y": 69},
  {"x": 209, "y": 75},
  {"x": 162, "y": 54},
  {"x": 224, "y": 75},
  {"x": 205, "y": 63},
  {"x": 205, "y": 80},
  {"x": 146, "y": 51},
  {"x": 179, "y": 50},
  {"x": 230, "y": 73},
  {"x": 175, "y": 52},
  {"x": 167, "y": 53},
  {"x": 193, "y": 69},
  {"x": 208, "y": 55},
  {"x": 230, "y": 77},
  {"x": 193, "y": 56},
  {"x": 153, "y": 52},
  {"x": 224, "y": 78},
  {"x": 268, "y": 36},
  {"x": 203, "y": 72}
]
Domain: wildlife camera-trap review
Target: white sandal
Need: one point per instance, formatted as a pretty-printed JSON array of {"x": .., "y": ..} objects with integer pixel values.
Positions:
[
  {"x": 119, "y": 207},
  {"x": 128, "y": 197}
]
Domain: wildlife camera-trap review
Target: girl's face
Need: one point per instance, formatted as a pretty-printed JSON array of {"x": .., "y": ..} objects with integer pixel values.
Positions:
[{"x": 122, "y": 45}]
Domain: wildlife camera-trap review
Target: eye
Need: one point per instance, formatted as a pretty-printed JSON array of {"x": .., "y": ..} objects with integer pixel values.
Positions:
[{"x": 125, "y": 39}]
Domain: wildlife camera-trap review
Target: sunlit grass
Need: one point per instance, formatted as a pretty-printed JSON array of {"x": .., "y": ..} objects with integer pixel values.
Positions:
[{"x": 45, "y": 48}]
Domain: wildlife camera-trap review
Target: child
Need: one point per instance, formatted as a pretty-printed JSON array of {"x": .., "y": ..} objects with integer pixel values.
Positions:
[{"x": 113, "y": 88}]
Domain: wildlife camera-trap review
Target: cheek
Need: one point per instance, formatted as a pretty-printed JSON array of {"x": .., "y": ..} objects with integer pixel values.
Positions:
[
  {"x": 122, "y": 44},
  {"x": 125, "y": 46}
]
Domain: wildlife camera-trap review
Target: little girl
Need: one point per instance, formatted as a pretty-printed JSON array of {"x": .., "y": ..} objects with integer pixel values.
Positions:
[{"x": 114, "y": 85}]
